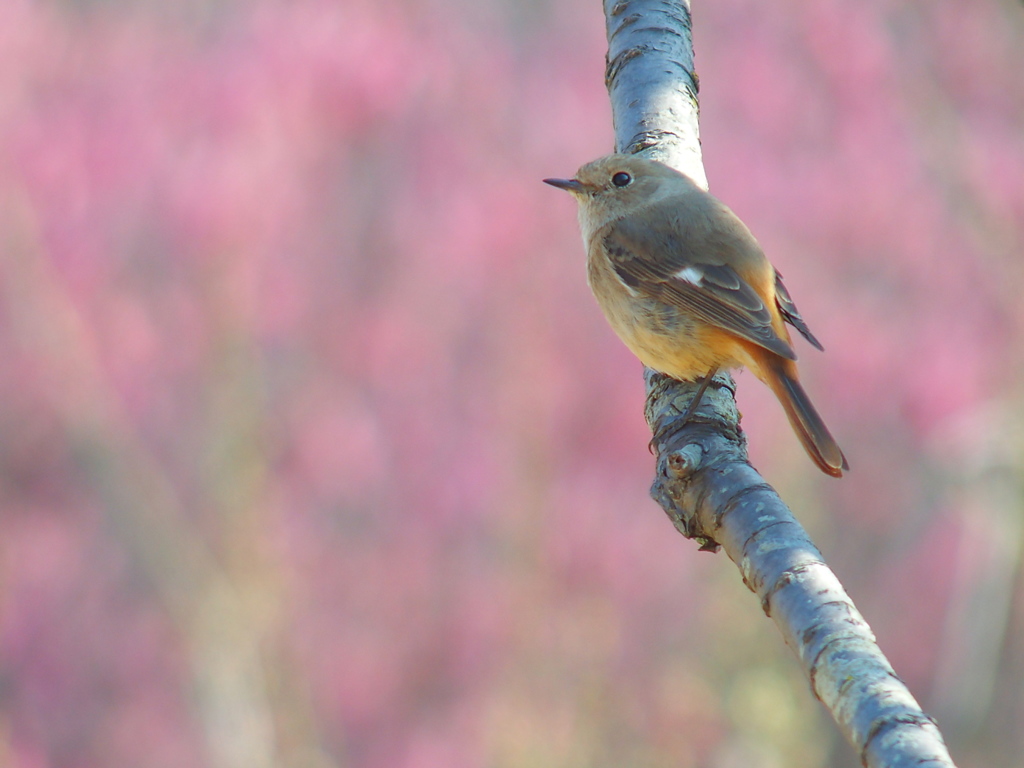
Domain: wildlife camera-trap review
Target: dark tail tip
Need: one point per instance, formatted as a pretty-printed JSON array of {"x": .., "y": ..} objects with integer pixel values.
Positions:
[{"x": 808, "y": 425}]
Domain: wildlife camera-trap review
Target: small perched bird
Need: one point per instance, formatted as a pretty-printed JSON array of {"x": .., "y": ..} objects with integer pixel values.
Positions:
[{"x": 687, "y": 287}]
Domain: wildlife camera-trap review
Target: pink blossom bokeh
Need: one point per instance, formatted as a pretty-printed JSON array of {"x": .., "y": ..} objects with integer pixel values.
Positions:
[{"x": 316, "y": 450}]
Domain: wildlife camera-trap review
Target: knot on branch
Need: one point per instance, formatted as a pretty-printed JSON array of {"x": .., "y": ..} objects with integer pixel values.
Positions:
[{"x": 708, "y": 438}]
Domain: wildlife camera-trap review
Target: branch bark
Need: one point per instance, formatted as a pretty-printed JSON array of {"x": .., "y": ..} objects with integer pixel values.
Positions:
[{"x": 703, "y": 479}]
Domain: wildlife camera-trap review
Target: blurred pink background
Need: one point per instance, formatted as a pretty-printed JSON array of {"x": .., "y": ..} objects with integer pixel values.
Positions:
[{"x": 316, "y": 451}]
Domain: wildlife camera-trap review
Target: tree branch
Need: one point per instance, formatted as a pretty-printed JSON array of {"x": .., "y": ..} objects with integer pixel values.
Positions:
[{"x": 704, "y": 481}]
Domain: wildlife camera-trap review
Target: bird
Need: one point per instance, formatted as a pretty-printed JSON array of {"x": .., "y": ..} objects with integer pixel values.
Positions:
[{"x": 688, "y": 289}]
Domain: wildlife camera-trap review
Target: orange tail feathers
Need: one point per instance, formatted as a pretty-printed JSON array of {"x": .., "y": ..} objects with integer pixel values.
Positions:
[{"x": 781, "y": 376}]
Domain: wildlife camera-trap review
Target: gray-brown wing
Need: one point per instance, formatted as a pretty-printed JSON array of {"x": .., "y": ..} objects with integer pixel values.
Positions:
[
  {"x": 713, "y": 292},
  {"x": 790, "y": 313}
]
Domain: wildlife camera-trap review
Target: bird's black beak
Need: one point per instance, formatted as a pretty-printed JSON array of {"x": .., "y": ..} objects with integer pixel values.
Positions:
[{"x": 569, "y": 185}]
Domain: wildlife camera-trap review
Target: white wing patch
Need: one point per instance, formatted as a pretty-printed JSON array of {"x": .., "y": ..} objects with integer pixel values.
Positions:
[{"x": 690, "y": 275}]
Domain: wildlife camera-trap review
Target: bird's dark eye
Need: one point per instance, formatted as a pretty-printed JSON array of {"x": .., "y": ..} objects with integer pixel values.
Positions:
[{"x": 621, "y": 179}]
